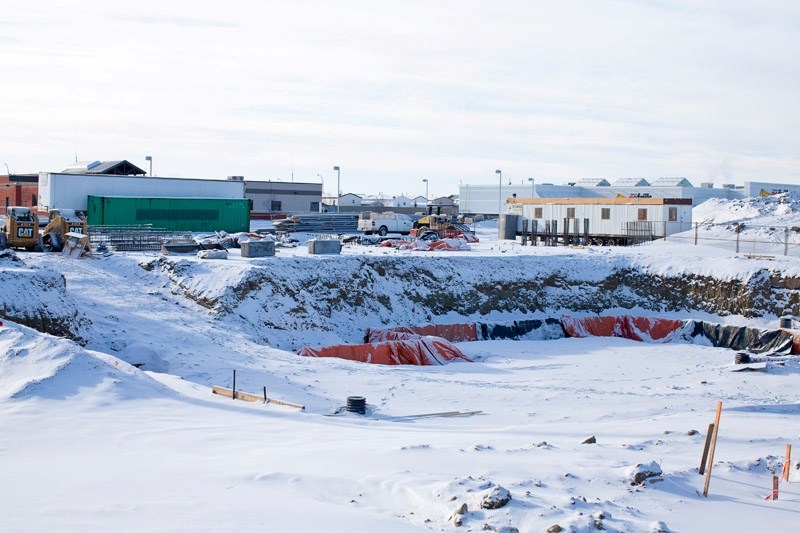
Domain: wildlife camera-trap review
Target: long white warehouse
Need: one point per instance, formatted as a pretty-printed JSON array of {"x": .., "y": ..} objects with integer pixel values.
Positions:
[
  {"x": 70, "y": 191},
  {"x": 602, "y": 220}
]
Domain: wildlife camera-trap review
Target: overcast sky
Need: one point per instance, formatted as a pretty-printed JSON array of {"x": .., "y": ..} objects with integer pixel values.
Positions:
[{"x": 394, "y": 92}]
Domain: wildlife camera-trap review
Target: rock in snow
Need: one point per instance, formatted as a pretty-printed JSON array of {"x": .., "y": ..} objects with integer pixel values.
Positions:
[
  {"x": 496, "y": 498},
  {"x": 635, "y": 475}
]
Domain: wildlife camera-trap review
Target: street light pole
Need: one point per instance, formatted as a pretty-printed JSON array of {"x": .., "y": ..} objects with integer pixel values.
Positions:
[
  {"x": 150, "y": 158},
  {"x": 322, "y": 191},
  {"x": 426, "y": 190},
  {"x": 533, "y": 187},
  {"x": 500, "y": 193},
  {"x": 338, "y": 189},
  {"x": 8, "y": 172}
]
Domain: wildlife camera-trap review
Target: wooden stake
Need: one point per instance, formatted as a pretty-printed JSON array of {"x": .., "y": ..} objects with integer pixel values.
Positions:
[
  {"x": 233, "y": 388},
  {"x": 705, "y": 449},
  {"x": 265, "y": 394},
  {"x": 774, "y": 494},
  {"x": 710, "y": 460},
  {"x": 788, "y": 464}
]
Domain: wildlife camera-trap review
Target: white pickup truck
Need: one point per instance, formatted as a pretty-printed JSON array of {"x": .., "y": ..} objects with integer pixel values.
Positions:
[{"x": 384, "y": 223}]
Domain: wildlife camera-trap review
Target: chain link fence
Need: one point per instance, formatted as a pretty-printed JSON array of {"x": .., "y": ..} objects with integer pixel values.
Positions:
[{"x": 753, "y": 241}]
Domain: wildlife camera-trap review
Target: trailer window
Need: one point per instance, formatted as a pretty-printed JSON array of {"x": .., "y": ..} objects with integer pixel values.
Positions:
[
  {"x": 275, "y": 205},
  {"x": 570, "y": 212},
  {"x": 605, "y": 213},
  {"x": 673, "y": 214},
  {"x": 642, "y": 216},
  {"x": 537, "y": 212}
]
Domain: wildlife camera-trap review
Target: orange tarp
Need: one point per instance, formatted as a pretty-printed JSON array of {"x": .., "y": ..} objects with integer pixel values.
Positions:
[
  {"x": 451, "y": 332},
  {"x": 415, "y": 350},
  {"x": 629, "y": 327}
]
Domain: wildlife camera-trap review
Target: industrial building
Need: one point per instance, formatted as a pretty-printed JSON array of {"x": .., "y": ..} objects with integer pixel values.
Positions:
[
  {"x": 71, "y": 190},
  {"x": 599, "y": 220},
  {"x": 490, "y": 199}
]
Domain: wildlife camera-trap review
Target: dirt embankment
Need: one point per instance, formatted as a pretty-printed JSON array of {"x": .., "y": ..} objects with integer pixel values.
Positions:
[
  {"x": 39, "y": 299},
  {"x": 347, "y": 294}
]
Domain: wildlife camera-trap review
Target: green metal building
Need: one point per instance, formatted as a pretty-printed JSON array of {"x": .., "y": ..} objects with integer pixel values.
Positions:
[{"x": 172, "y": 214}]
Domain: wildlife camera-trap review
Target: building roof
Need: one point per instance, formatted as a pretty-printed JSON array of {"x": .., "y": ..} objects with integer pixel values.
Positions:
[
  {"x": 601, "y": 201},
  {"x": 631, "y": 182},
  {"x": 671, "y": 182},
  {"x": 592, "y": 182},
  {"x": 116, "y": 168}
]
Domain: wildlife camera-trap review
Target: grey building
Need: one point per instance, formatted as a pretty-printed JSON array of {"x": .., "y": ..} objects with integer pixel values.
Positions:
[{"x": 282, "y": 197}]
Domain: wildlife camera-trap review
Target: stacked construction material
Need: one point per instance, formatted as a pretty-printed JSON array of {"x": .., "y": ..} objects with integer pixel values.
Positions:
[{"x": 319, "y": 223}]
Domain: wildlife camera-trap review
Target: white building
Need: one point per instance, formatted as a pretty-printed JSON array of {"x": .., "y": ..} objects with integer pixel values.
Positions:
[
  {"x": 419, "y": 201},
  {"x": 608, "y": 220},
  {"x": 70, "y": 190},
  {"x": 402, "y": 201},
  {"x": 350, "y": 200}
]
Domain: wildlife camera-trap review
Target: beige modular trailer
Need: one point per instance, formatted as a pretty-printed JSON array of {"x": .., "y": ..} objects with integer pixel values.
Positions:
[{"x": 602, "y": 220}]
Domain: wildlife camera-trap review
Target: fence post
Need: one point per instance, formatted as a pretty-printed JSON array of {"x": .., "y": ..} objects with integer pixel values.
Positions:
[
  {"x": 695, "y": 233},
  {"x": 786, "y": 240},
  {"x": 737, "y": 242}
]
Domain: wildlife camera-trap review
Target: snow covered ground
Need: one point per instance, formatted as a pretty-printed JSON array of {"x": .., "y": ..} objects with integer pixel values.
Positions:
[{"x": 91, "y": 442}]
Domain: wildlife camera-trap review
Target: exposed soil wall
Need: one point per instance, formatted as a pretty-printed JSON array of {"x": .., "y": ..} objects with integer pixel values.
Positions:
[
  {"x": 347, "y": 294},
  {"x": 38, "y": 299}
]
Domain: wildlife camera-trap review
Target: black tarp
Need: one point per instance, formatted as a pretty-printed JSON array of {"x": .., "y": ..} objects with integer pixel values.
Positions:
[
  {"x": 548, "y": 328},
  {"x": 743, "y": 338}
]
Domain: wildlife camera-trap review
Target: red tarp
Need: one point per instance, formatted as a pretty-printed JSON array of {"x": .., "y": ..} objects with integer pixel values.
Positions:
[
  {"x": 451, "y": 245},
  {"x": 795, "y": 339},
  {"x": 451, "y": 332},
  {"x": 636, "y": 328},
  {"x": 413, "y": 350}
]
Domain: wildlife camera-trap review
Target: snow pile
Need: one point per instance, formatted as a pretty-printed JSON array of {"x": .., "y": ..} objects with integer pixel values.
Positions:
[
  {"x": 776, "y": 210},
  {"x": 756, "y": 225},
  {"x": 36, "y": 365}
]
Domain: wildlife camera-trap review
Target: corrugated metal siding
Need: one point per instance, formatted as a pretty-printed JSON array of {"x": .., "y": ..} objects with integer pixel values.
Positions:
[
  {"x": 174, "y": 214},
  {"x": 69, "y": 191}
]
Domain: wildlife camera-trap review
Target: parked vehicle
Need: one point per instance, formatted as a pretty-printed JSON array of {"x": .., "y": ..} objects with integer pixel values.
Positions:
[
  {"x": 384, "y": 223},
  {"x": 20, "y": 229},
  {"x": 61, "y": 222}
]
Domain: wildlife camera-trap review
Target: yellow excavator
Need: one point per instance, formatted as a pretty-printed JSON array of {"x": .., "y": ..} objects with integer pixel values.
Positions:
[
  {"x": 443, "y": 225},
  {"x": 20, "y": 229},
  {"x": 61, "y": 222}
]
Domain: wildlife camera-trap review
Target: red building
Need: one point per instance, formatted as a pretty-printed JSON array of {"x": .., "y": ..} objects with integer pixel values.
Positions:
[{"x": 19, "y": 189}]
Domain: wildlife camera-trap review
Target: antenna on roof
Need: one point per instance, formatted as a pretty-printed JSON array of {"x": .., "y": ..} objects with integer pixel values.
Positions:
[{"x": 76, "y": 146}]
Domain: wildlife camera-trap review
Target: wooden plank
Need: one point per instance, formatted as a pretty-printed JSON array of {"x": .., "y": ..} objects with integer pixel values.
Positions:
[
  {"x": 247, "y": 397},
  {"x": 443, "y": 414},
  {"x": 710, "y": 461}
]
